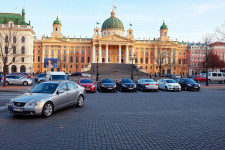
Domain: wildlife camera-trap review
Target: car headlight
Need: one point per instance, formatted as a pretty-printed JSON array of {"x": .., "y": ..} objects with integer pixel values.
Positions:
[
  {"x": 124, "y": 85},
  {"x": 135, "y": 86},
  {"x": 32, "y": 104},
  {"x": 189, "y": 85},
  {"x": 199, "y": 85},
  {"x": 114, "y": 86},
  {"x": 103, "y": 85},
  {"x": 10, "y": 102},
  {"x": 93, "y": 86}
]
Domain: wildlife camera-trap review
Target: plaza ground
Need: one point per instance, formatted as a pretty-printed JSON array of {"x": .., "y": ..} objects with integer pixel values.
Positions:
[{"x": 141, "y": 120}]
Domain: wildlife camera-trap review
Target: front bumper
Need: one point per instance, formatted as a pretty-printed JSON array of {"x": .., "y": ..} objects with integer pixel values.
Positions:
[
  {"x": 174, "y": 88},
  {"x": 91, "y": 89},
  {"x": 150, "y": 87},
  {"x": 128, "y": 88},
  {"x": 194, "y": 88},
  {"x": 25, "y": 110},
  {"x": 108, "y": 89}
]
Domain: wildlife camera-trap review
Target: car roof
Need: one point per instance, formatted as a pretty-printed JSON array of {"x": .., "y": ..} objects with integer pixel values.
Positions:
[{"x": 57, "y": 73}]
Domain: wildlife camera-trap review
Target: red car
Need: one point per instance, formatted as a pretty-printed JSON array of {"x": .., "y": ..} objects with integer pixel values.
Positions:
[
  {"x": 200, "y": 78},
  {"x": 88, "y": 84}
]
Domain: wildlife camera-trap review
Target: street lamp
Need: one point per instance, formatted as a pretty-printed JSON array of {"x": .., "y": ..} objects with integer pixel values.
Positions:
[
  {"x": 206, "y": 65},
  {"x": 132, "y": 58},
  {"x": 97, "y": 74}
]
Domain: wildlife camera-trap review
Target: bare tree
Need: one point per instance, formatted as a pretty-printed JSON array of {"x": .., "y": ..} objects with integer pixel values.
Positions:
[
  {"x": 207, "y": 39},
  {"x": 9, "y": 41},
  {"x": 162, "y": 55},
  {"x": 220, "y": 33}
]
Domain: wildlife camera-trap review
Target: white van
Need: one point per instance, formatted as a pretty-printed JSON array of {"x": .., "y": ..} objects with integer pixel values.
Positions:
[
  {"x": 216, "y": 77},
  {"x": 53, "y": 76}
]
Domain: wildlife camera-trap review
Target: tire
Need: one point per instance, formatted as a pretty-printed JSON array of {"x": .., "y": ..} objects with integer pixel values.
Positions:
[
  {"x": 25, "y": 83},
  {"x": 47, "y": 110},
  {"x": 209, "y": 81},
  {"x": 166, "y": 89},
  {"x": 142, "y": 89},
  {"x": 185, "y": 88},
  {"x": 7, "y": 83},
  {"x": 40, "y": 81},
  {"x": 80, "y": 101}
]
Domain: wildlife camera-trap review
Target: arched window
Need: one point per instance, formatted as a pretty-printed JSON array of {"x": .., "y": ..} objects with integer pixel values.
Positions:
[
  {"x": 13, "y": 69},
  {"x": 14, "y": 39},
  {"x": 39, "y": 59},
  {"x": 82, "y": 59},
  {"x": 14, "y": 49},
  {"x": 23, "y": 39},
  {"x": 179, "y": 61},
  {"x": 71, "y": 58},
  {"x": 23, "y": 50},
  {"x": 6, "y": 39},
  {"x": 22, "y": 68}
]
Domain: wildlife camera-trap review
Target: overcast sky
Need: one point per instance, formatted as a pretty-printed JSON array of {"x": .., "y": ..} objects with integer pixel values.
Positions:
[{"x": 187, "y": 20}]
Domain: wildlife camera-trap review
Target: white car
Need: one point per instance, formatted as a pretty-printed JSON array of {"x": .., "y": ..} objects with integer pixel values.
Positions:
[
  {"x": 85, "y": 75},
  {"x": 169, "y": 84},
  {"x": 53, "y": 76}
]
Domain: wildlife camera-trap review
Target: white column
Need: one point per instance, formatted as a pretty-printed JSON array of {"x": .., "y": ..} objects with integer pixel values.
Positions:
[
  {"x": 127, "y": 55},
  {"x": 119, "y": 54},
  {"x": 93, "y": 54},
  {"x": 107, "y": 54},
  {"x": 100, "y": 54},
  {"x": 144, "y": 56}
]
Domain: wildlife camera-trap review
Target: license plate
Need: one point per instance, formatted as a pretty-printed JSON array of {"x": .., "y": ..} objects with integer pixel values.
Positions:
[
  {"x": 87, "y": 89},
  {"x": 131, "y": 88},
  {"x": 110, "y": 88},
  {"x": 196, "y": 87},
  {"x": 18, "y": 109}
]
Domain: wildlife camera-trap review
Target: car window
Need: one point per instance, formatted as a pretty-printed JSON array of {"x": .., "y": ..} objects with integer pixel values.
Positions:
[
  {"x": 59, "y": 77},
  {"x": 107, "y": 81},
  {"x": 85, "y": 81},
  {"x": 62, "y": 87},
  {"x": 16, "y": 77},
  {"x": 45, "y": 88},
  {"x": 219, "y": 74},
  {"x": 149, "y": 80},
  {"x": 214, "y": 74},
  {"x": 170, "y": 81},
  {"x": 71, "y": 86}
]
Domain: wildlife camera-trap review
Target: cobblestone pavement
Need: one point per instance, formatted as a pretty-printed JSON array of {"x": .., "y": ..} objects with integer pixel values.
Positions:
[{"x": 147, "y": 120}]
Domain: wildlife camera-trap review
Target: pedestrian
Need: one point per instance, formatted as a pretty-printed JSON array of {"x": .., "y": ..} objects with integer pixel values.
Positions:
[
  {"x": 150, "y": 75},
  {"x": 155, "y": 75}
]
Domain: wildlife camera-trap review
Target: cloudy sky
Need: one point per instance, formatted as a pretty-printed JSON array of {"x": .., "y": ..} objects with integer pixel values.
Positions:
[{"x": 186, "y": 20}]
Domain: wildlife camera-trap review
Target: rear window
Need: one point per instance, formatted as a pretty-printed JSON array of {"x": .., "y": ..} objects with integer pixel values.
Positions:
[
  {"x": 149, "y": 80},
  {"x": 59, "y": 77},
  {"x": 85, "y": 81}
]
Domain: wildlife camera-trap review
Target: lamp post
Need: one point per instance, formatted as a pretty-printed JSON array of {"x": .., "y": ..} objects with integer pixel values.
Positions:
[
  {"x": 132, "y": 57},
  {"x": 97, "y": 74}
]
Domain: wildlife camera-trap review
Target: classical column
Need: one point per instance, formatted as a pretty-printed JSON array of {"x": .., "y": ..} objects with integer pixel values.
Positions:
[
  {"x": 127, "y": 55},
  {"x": 144, "y": 56},
  {"x": 107, "y": 54},
  {"x": 93, "y": 54},
  {"x": 100, "y": 54},
  {"x": 119, "y": 54},
  {"x": 133, "y": 53}
]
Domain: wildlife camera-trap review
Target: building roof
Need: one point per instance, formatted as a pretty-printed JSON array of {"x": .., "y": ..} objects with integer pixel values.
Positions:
[
  {"x": 57, "y": 21},
  {"x": 112, "y": 23},
  {"x": 164, "y": 26},
  {"x": 217, "y": 44},
  {"x": 195, "y": 44},
  {"x": 16, "y": 18}
]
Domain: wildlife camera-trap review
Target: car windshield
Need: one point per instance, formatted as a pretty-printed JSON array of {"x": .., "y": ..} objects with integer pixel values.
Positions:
[
  {"x": 45, "y": 88},
  {"x": 189, "y": 80},
  {"x": 149, "y": 80},
  {"x": 127, "y": 81},
  {"x": 170, "y": 81},
  {"x": 107, "y": 81},
  {"x": 59, "y": 77},
  {"x": 85, "y": 81}
]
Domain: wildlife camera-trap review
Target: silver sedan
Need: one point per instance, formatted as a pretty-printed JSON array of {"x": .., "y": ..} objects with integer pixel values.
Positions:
[
  {"x": 147, "y": 84},
  {"x": 47, "y": 97}
]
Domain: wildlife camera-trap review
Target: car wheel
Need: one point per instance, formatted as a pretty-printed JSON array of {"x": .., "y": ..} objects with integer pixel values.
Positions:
[
  {"x": 47, "y": 109},
  {"x": 80, "y": 101},
  {"x": 25, "y": 83},
  {"x": 209, "y": 80},
  {"x": 142, "y": 89},
  {"x": 166, "y": 88},
  {"x": 185, "y": 88},
  {"x": 7, "y": 83},
  {"x": 40, "y": 81}
]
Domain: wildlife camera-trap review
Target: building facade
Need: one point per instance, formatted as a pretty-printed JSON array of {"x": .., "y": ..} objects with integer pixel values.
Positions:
[
  {"x": 16, "y": 42},
  {"x": 111, "y": 44}
]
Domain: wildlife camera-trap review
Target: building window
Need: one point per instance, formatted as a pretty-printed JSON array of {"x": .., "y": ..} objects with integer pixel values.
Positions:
[
  {"x": 14, "y": 59},
  {"x": 14, "y": 49},
  {"x": 14, "y": 39},
  {"x": 82, "y": 59},
  {"x": 71, "y": 66},
  {"x": 39, "y": 51},
  {"x": 22, "y": 59},
  {"x": 23, "y": 39},
  {"x": 82, "y": 52},
  {"x": 184, "y": 53},
  {"x": 77, "y": 47},
  {"x": 179, "y": 61},
  {"x": 82, "y": 47},
  {"x": 6, "y": 50},
  {"x": 184, "y": 61},
  {"x": 59, "y": 59},
  {"x": 179, "y": 52},
  {"x": 77, "y": 59},
  {"x": 6, "y": 39},
  {"x": 58, "y": 51},
  {"x": 39, "y": 59},
  {"x": 71, "y": 52},
  {"x": 71, "y": 59},
  {"x": 23, "y": 50},
  {"x": 146, "y": 60},
  {"x": 64, "y": 58}
]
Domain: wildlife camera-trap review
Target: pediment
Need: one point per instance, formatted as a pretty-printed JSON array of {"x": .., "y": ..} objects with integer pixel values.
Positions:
[{"x": 115, "y": 38}]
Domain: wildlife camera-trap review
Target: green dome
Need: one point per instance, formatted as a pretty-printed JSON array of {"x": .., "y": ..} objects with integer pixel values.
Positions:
[
  {"x": 164, "y": 26},
  {"x": 112, "y": 23},
  {"x": 57, "y": 21}
]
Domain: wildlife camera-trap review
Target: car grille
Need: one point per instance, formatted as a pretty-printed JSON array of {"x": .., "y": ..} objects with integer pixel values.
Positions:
[{"x": 19, "y": 104}]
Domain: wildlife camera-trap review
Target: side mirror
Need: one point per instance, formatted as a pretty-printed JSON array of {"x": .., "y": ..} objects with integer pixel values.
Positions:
[{"x": 60, "y": 91}]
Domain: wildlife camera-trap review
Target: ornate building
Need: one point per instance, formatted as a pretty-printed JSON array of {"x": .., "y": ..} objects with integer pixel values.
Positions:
[
  {"x": 111, "y": 45},
  {"x": 16, "y": 40}
]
